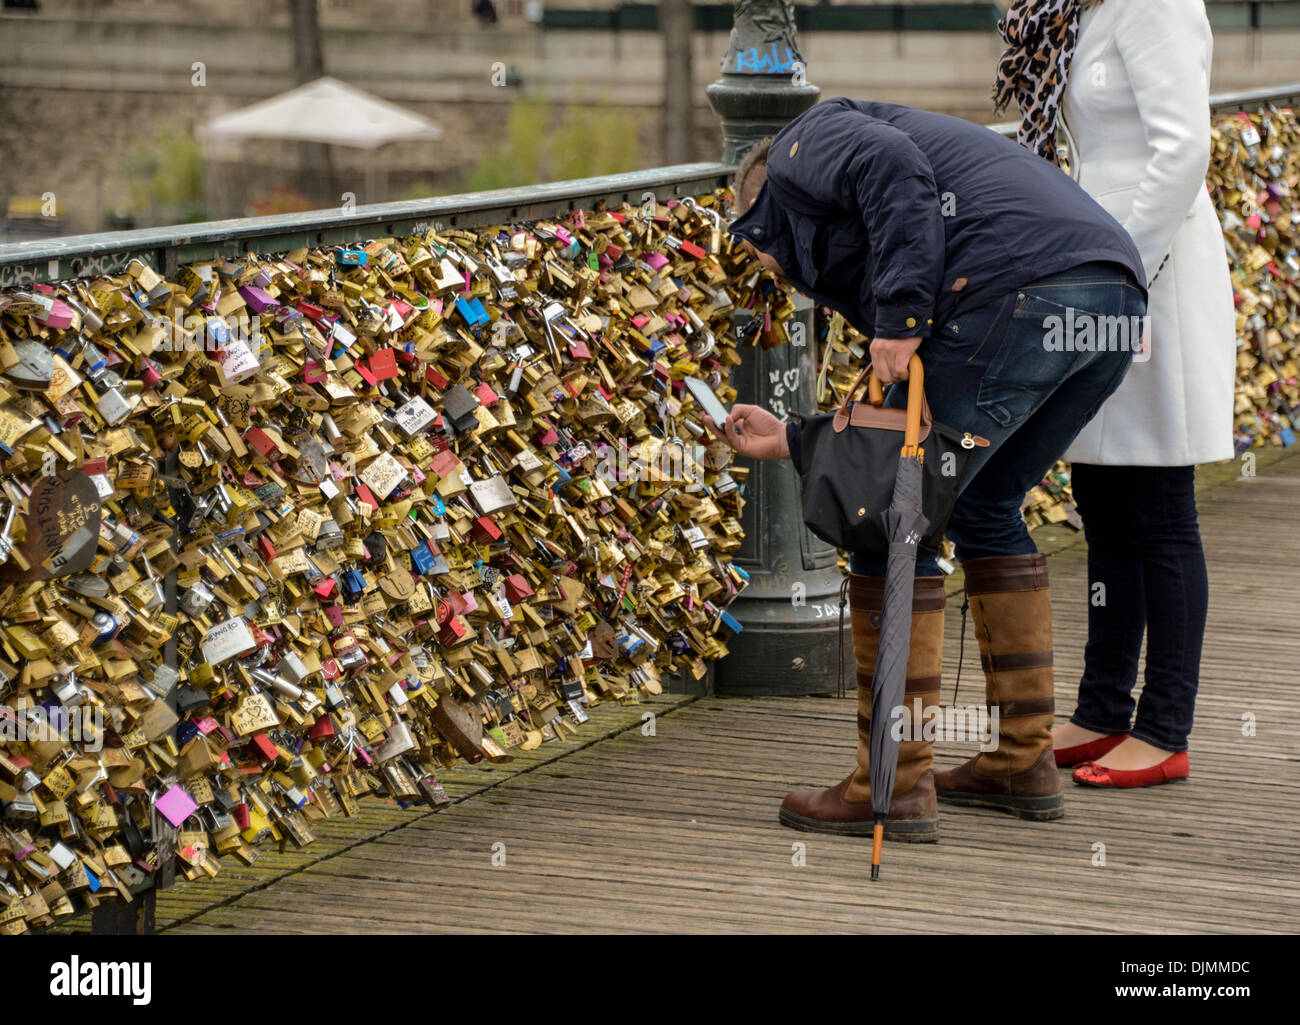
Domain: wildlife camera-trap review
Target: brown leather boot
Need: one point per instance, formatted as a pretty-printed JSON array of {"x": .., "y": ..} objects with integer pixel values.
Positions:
[
  {"x": 846, "y": 807},
  {"x": 1012, "y": 609}
]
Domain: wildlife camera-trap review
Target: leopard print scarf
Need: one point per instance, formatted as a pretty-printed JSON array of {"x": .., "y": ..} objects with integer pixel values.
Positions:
[{"x": 1036, "y": 65}]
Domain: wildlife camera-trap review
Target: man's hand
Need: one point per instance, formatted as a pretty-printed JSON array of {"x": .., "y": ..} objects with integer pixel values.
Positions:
[
  {"x": 752, "y": 431},
  {"x": 889, "y": 357}
]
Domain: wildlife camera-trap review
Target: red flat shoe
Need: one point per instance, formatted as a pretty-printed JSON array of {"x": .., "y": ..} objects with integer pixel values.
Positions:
[
  {"x": 1089, "y": 752},
  {"x": 1175, "y": 767}
]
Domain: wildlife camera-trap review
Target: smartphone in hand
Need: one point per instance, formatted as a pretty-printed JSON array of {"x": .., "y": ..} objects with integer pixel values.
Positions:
[{"x": 709, "y": 402}]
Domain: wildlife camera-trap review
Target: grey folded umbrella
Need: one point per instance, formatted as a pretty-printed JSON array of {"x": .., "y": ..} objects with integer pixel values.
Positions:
[{"x": 905, "y": 526}]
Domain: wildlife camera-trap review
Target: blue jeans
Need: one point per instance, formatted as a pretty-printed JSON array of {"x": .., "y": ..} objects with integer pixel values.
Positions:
[
  {"x": 1013, "y": 372},
  {"x": 1144, "y": 547}
]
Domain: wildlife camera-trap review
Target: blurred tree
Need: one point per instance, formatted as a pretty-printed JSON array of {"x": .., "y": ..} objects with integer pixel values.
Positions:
[
  {"x": 314, "y": 158},
  {"x": 166, "y": 178},
  {"x": 543, "y": 144},
  {"x": 308, "y": 59},
  {"x": 677, "y": 22},
  {"x": 590, "y": 141}
]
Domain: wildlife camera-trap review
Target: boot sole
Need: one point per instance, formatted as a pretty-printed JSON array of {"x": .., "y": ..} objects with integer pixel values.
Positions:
[
  {"x": 1035, "y": 809},
  {"x": 901, "y": 831}
]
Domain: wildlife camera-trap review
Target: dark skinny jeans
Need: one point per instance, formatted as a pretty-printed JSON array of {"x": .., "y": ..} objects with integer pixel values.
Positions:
[{"x": 1146, "y": 574}]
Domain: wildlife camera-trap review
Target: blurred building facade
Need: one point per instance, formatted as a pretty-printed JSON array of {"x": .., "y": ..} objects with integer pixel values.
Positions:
[{"x": 101, "y": 99}]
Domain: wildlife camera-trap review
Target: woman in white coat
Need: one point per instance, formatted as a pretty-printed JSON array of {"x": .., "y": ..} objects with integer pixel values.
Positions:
[{"x": 1129, "y": 82}]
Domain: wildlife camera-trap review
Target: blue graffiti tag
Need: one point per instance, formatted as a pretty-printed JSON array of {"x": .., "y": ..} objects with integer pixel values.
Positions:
[{"x": 768, "y": 63}]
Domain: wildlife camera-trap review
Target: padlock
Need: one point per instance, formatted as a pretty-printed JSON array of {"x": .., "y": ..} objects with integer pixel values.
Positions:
[{"x": 446, "y": 397}]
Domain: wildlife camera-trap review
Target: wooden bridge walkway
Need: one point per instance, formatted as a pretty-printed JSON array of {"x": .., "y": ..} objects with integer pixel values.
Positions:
[{"x": 624, "y": 832}]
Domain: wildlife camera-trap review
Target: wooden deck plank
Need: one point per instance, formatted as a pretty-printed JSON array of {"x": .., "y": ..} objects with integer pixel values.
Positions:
[{"x": 677, "y": 832}]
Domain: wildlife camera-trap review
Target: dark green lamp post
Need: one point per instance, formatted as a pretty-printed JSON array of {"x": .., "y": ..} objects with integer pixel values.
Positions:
[{"x": 788, "y": 645}]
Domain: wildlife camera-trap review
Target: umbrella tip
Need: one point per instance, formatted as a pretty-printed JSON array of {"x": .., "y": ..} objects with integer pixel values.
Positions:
[{"x": 877, "y": 842}]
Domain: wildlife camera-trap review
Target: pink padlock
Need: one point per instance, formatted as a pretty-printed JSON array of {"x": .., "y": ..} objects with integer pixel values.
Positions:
[{"x": 150, "y": 375}]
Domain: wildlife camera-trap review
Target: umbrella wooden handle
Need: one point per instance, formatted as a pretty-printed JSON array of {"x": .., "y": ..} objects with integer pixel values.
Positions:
[
  {"x": 875, "y": 393},
  {"x": 915, "y": 400}
]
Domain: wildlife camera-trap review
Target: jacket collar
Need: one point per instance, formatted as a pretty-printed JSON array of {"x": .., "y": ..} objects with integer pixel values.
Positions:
[{"x": 769, "y": 227}]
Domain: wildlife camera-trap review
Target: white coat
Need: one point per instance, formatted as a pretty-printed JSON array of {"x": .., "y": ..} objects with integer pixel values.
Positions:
[{"x": 1136, "y": 117}]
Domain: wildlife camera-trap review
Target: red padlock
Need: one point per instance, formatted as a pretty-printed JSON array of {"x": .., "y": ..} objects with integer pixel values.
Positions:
[
  {"x": 383, "y": 364},
  {"x": 263, "y": 747},
  {"x": 444, "y": 463},
  {"x": 462, "y": 604},
  {"x": 365, "y": 495},
  {"x": 455, "y": 631},
  {"x": 485, "y": 530},
  {"x": 517, "y": 588},
  {"x": 263, "y": 442}
]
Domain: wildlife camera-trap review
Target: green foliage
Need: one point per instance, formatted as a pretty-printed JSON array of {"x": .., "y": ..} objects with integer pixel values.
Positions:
[
  {"x": 166, "y": 177},
  {"x": 417, "y": 190},
  {"x": 544, "y": 144}
]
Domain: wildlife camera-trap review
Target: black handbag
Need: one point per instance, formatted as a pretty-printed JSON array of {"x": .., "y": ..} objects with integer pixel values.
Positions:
[{"x": 849, "y": 459}]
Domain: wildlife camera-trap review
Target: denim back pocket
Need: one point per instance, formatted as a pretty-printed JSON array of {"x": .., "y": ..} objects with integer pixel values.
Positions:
[{"x": 1051, "y": 333}]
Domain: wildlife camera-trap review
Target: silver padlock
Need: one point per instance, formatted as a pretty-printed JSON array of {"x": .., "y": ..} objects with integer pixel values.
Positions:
[
  {"x": 66, "y": 690},
  {"x": 195, "y": 600},
  {"x": 281, "y": 685},
  {"x": 113, "y": 406},
  {"x": 329, "y": 535},
  {"x": 226, "y": 640},
  {"x": 164, "y": 680},
  {"x": 292, "y": 668}
]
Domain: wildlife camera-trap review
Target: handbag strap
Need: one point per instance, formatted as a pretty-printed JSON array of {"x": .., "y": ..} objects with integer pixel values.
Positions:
[{"x": 918, "y": 406}]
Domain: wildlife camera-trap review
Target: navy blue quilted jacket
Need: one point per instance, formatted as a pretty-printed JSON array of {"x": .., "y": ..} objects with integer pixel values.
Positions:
[{"x": 898, "y": 218}]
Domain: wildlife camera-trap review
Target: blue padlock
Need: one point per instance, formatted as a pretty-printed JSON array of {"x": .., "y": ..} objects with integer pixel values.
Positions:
[
  {"x": 471, "y": 311},
  {"x": 422, "y": 560},
  {"x": 352, "y": 257},
  {"x": 218, "y": 332},
  {"x": 353, "y": 584}
]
